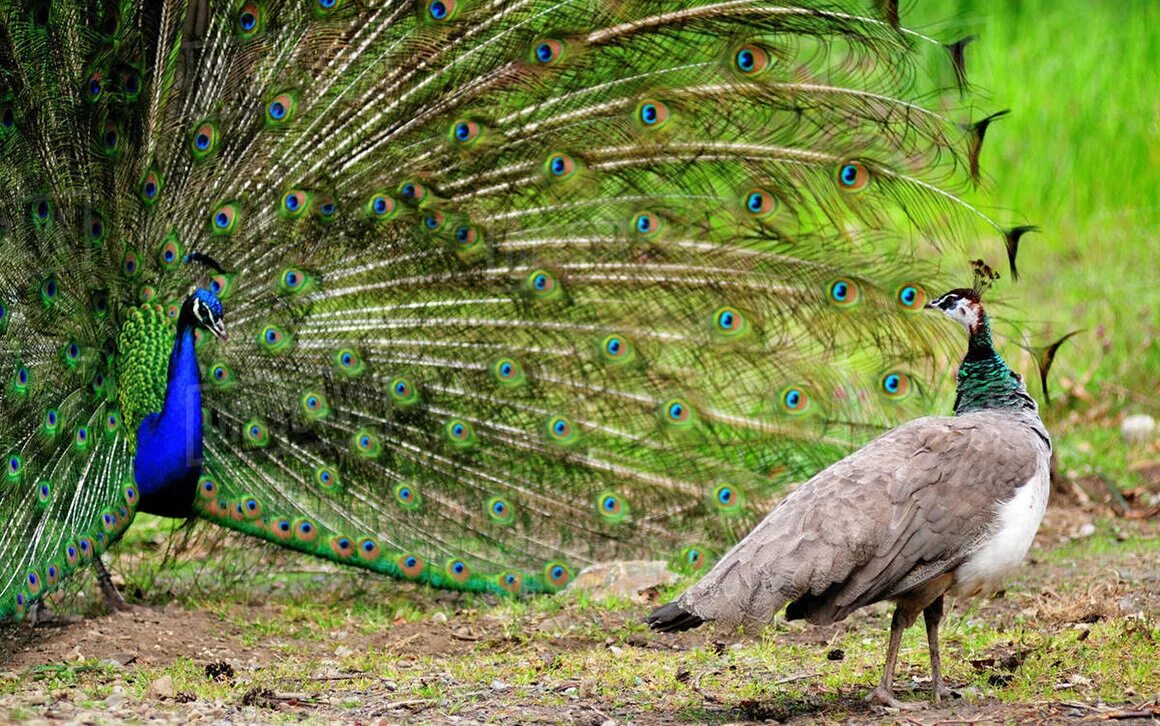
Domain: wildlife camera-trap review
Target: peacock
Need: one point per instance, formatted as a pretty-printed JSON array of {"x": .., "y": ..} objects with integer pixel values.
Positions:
[{"x": 467, "y": 293}]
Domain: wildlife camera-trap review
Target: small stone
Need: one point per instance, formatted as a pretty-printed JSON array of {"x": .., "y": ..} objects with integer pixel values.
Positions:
[
  {"x": 498, "y": 685},
  {"x": 616, "y": 650},
  {"x": 439, "y": 617},
  {"x": 1138, "y": 429},
  {"x": 343, "y": 651},
  {"x": 631, "y": 579},
  {"x": 162, "y": 687},
  {"x": 1087, "y": 529},
  {"x": 114, "y": 700}
]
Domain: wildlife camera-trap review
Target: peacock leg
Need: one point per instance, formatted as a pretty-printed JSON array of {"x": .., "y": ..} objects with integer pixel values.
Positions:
[
  {"x": 112, "y": 596},
  {"x": 39, "y": 616},
  {"x": 903, "y": 618},
  {"x": 932, "y": 615}
]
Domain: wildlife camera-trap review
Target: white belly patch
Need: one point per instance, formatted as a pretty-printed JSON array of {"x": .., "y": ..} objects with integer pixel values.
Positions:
[{"x": 1009, "y": 540}]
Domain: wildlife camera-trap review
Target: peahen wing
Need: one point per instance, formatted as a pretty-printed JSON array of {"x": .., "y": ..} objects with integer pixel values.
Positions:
[{"x": 511, "y": 286}]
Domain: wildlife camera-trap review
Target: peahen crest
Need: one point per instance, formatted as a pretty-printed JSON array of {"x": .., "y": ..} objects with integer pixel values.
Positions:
[{"x": 511, "y": 287}]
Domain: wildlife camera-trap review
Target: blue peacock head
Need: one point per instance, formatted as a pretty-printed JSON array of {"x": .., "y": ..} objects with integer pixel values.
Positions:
[{"x": 203, "y": 309}]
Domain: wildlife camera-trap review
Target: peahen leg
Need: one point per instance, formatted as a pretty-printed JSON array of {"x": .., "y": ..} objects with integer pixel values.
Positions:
[
  {"x": 903, "y": 618},
  {"x": 932, "y": 615},
  {"x": 112, "y": 595}
]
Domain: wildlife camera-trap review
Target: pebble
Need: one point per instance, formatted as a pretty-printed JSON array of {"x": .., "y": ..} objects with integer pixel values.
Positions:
[
  {"x": 624, "y": 579},
  {"x": 1138, "y": 429},
  {"x": 162, "y": 687}
]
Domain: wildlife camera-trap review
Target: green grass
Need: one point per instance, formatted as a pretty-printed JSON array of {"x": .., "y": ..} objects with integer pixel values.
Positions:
[{"x": 1080, "y": 156}]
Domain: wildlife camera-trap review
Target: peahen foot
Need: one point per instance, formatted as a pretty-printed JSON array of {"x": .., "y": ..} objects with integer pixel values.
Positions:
[{"x": 885, "y": 697}]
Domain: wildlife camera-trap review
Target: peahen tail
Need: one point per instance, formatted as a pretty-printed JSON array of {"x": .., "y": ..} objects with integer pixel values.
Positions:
[{"x": 510, "y": 286}]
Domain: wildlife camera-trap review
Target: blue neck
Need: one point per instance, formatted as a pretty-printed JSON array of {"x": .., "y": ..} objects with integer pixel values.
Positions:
[{"x": 168, "y": 462}]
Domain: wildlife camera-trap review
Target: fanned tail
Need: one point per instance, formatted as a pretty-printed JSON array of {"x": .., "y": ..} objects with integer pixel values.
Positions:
[{"x": 511, "y": 287}]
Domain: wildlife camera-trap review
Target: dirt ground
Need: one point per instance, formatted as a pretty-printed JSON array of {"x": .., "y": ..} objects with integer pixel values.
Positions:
[{"x": 119, "y": 667}]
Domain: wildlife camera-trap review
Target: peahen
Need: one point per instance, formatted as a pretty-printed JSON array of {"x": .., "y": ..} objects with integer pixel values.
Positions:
[
  {"x": 509, "y": 286},
  {"x": 941, "y": 505}
]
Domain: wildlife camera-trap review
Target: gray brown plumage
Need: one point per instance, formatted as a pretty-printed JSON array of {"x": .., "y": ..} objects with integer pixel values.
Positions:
[{"x": 941, "y": 505}]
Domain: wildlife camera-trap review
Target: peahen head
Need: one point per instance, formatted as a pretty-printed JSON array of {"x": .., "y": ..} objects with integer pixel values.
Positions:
[
  {"x": 202, "y": 309},
  {"x": 963, "y": 306},
  {"x": 984, "y": 379}
]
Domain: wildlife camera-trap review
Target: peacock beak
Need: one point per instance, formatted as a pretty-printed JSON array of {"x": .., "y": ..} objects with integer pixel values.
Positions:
[{"x": 218, "y": 328}]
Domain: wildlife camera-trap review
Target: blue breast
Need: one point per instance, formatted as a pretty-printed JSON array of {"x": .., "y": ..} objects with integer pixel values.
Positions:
[{"x": 169, "y": 444}]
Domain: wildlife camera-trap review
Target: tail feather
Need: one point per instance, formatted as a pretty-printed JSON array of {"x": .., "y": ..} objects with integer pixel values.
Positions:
[
  {"x": 672, "y": 618},
  {"x": 511, "y": 287}
]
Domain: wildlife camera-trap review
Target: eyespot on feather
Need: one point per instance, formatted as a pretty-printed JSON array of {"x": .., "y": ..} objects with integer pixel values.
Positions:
[
  {"x": 843, "y": 292},
  {"x": 793, "y": 400},
  {"x": 750, "y": 59},
  {"x": 895, "y": 385},
  {"x": 410, "y": 565},
  {"x": 910, "y": 297},
  {"x": 852, "y": 177}
]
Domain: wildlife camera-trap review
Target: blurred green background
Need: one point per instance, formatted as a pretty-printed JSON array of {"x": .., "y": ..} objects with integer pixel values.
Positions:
[{"x": 1079, "y": 155}]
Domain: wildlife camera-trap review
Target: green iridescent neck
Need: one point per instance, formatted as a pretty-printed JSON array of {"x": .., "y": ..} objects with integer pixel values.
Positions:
[{"x": 985, "y": 382}]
